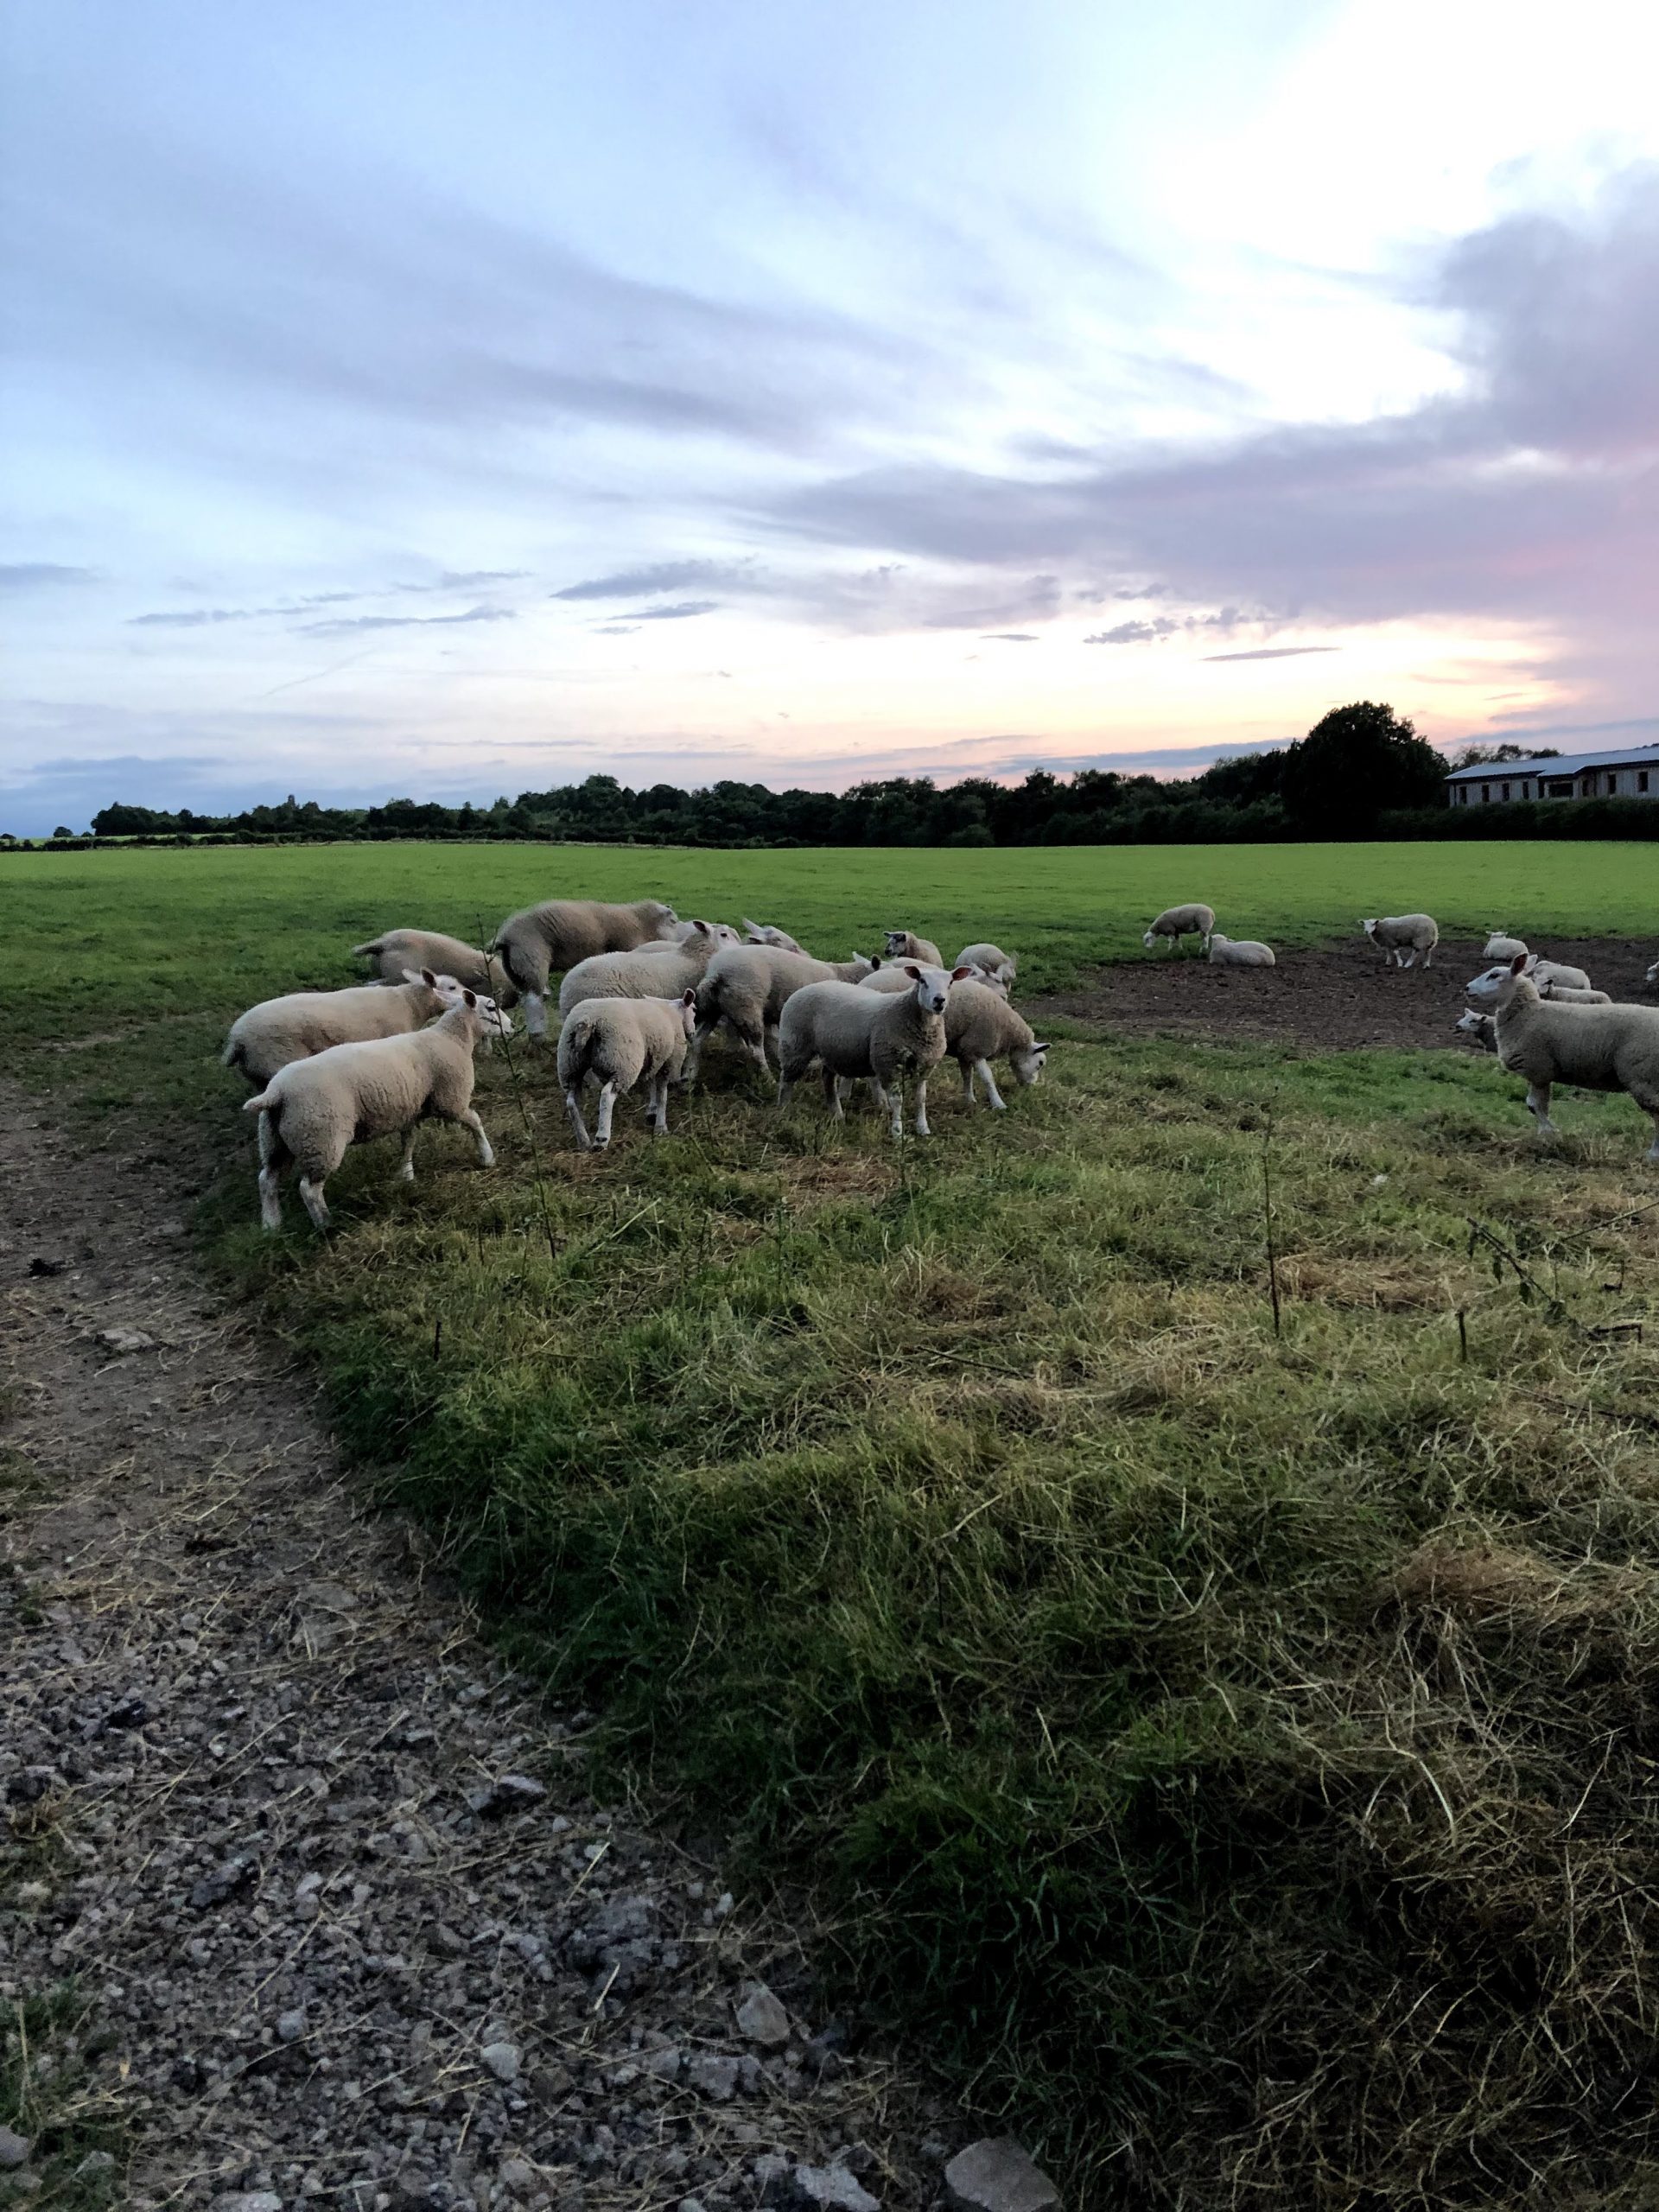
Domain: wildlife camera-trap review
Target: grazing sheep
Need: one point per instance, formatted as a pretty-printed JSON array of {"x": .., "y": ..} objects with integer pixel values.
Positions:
[
  {"x": 1239, "y": 952},
  {"x": 1564, "y": 995},
  {"x": 395, "y": 952},
  {"x": 767, "y": 933},
  {"x": 312, "y": 1111},
  {"x": 615, "y": 1041},
  {"x": 1400, "y": 934},
  {"x": 1177, "y": 921},
  {"x": 1546, "y": 972},
  {"x": 651, "y": 971},
  {"x": 1501, "y": 946},
  {"x": 856, "y": 1032},
  {"x": 269, "y": 1035},
  {"x": 748, "y": 987},
  {"x": 903, "y": 945},
  {"x": 990, "y": 960},
  {"x": 723, "y": 933},
  {"x": 1596, "y": 1047},
  {"x": 1483, "y": 1027},
  {"x": 542, "y": 941},
  {"x": 979, "y": 1026}
]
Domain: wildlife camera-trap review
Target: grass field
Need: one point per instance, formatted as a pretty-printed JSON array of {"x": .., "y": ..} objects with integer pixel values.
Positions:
[{"x": 1236, "y": 1744}]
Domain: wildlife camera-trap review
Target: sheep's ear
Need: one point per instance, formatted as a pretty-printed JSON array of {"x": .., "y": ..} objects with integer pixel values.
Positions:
[
  {"x": 960, "y": 975},
  {"x": 470, "y": 997},
  {"x": 702, "y": 929},
  {"x": 1517, "y": 964},
  {"x": 687, "y": 998},
  {"x": 912, "y": 971},
  {"x": 429, "y": 979},
  {"x": 1039, "y": 1048}
]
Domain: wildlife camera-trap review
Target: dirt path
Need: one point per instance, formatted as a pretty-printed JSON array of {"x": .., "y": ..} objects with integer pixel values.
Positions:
[
  {"x": 260, "y": 1805},
  {"x": 1327, "y": 997}
]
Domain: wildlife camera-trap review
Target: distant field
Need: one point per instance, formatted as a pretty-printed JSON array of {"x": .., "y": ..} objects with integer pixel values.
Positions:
[{"x": 1234, "y": 1745}]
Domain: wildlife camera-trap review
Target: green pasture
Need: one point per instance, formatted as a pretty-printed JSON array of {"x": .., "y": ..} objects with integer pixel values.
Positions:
[{"x": 1230, "y": 1739}]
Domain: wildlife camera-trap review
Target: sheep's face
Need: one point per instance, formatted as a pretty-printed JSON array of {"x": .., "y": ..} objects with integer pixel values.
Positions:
[
  {"x": 662, "y": 918},
  {"x": 987, "y": 981},
  {"x": 898, "y": 943},
  {"x": 1150, "y": 939},
  {"x": 1028, "y": 1066},
  {"x": 1471, "y": 1024},
  {"x": 933, "y": 985},
  {"x": 493, "y": 1020},
  {"x": 1497, "y": 986},
  {"x": 1370, "y": 928}
]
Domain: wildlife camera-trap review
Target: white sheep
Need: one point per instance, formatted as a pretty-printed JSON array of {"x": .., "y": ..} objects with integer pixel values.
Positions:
[
  {"x": 312, "y": 1111},
  {"x": 891, "y": 975},
  {"x": 979, "y": 1026},
  {"x": 1549, "y": 972},
  {"x": 651, "y": 972},
  {"x": 768, "y": 933},
  {"x": 1595, "y": 1047},
  {"x": 1177, "y": 921},
  {"x": 1481, "y": 1027},
  {"x": 1564, "y": 995},
  {"x": 542, "y": 941},
  {"x": 615, "y": 1042},
  {"x": 1501, "y": 946},
  {"x": 747, "y": 987},
  {"x": 990, "y": 960},
  {"x": 723, "y": 933},
  {"x": 293, "y": 1027},
  {"x": 395, "y": 952},
  {"x": 1239, "y": 952},
  {"x": 855, "y": 1033},
  {"x": 1400, "y": 934},
  {"x": 903, "y": 944}
]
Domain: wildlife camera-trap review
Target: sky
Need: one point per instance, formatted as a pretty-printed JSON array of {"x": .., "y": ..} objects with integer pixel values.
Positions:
[{"x": 407, "y": 399}]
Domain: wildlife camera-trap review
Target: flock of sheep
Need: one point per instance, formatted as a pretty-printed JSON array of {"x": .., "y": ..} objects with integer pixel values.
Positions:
[{"x": 641, "y": 992}]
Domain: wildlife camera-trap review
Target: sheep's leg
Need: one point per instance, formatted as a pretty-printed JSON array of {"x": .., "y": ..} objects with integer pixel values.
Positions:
[
  {"x": 534, "y": 1005},
  {"x": 485, "y": 1151},
  {"x": 700, "y": 1036},
  {"x": 315, "y": 1204},
  {"x": 832, "y": 1095},
  {"x": 602, "y": 1119},
  {"x": 406, "y": 1164},
  {"x": 922, "y": 1129},
  {"x": 573, "y": 1108},
  {"x": 982, "y": 1069},
  {"x": 967, "y": 1068},
  {"x": 785, "y": 1086},
  {"x": 769, "y": 1044},
  {"x": 657, "y": 1106},
  {"x": 1538, "y": 1106},
  {"x": 273, "y": 1156},
  {"x": 1653, "y": 1149}
]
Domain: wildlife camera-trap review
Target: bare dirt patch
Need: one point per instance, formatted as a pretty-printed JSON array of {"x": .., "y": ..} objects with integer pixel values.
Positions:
[
  {"x": 342, "y": 1925},
  {"x": 1330, "y": 997}
]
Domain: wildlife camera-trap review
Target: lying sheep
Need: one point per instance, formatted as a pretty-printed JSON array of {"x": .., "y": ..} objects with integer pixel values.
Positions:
[
  {"x": 542, "y": 941},
  {"x": 765, "y": 933},
  {"x": 312, "y": 1111},
  {"x": 1596, "y": 1047},
  {"x": 979, "y": 1026},
  {"x": 990, "y": 960},
  {"x": 903, "y": 944},
  {"x": 1400, "y": 934},
  {"x": 1501, "y": 946},
  {"x": 1177, "y": 921},
  {"x": 748, "y": 986},
  {"x": 1564, "y": 995},
  {"x": 1483, "y": 1027},
  {"x": 651, "y": 971},
  {"x": 276, "y": 1031},
  {"x": 855, "y": 1033},
  {"x": 395, "y": 952},
  {"x": 1555, "y": 972},
  {"x": 615, "y": 1042},
  {"x": 1239, "y": 952}
]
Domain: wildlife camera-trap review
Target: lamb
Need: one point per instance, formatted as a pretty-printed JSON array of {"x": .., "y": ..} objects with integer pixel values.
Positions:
[
  {"x": 651, "y": 971},
  {"x": 616, "y": 1041},
  {"x": 1501, "y": 946},
  {"x": 903, "y": 945},
  {"x": 541, "y": 941},
  {"x": 990, "y": 960},
  {"x": 312, "y": 1111},
  {"x": 1177, "y": 921},
  {"x": 1481, "y": 1027},
  {"x": 395, "y": 952},
  {"x": 1400, "y": 934},
  {"x": 767, "y": 933},
  {"x": 747, "y": 988},
  {"x": 1239, "y": 952},
  {"x": 1544, "y": 972},
  {"x": 1596, "y": 1047},
  {"x": 269, "y": 1035},
  {"x": 1563, "y": 994},
  {"x": 979, "y": 1026},
  {"x": 856, "y": 1032}
]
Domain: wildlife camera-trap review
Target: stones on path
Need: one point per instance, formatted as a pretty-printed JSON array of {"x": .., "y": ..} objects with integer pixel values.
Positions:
[
  {"x": 122, "y": 1341},
  {"x": 762, "y": 2018},
  {"x": 996, "y": 2175},
  {"x": 508, "y": 1793},
  {"x": 13, "y": 2150},
  {"x": 501, "y": 2059}
]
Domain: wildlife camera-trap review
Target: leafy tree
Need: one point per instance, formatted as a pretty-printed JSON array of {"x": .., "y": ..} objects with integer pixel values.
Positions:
[{"x": 1353, "y": 764}]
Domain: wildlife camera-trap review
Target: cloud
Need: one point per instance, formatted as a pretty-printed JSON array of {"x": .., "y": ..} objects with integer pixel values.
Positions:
[
  {"x": 615, "y": 629},
  {"x": 1133, "y": 634},
  {"x": 1274, "y": 652},
  {"x": 668, "y": 576},
  {"x": 454, "y": 580},
  {"x": 196, "y": 618},
  {"x": 346, "y": 622},
  {"x": 680, "y": 612},
  {"x": 32, "y": 576},
  {"x": 1010, "y": 637}
]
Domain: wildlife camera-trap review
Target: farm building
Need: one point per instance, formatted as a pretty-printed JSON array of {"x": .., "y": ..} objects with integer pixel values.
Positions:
[{"x": 1579, "y": 775}]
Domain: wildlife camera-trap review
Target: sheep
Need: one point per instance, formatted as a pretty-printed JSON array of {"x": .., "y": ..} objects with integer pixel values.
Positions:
[
  {"x": 1177, "y": 921},
  {"x": 1500, "y": 946},
  {"x": 1563, "y": 994},
  {"x": 990, "y": 961},
  {"x": 903, "y": 945},
  {"x": 856, "y": 1032},
  {"x": 651, "y": 971},
  {"x": 1546, "y": 972},
  {"x": 541, "y": 941},
  {"x": 979, "y": 1026},
  {"x": 616, "y": 1041},
  {"x": 1651, "y": 979},
  {"x": 312, "y": 1110},
  {"x": 395, "y": 952},
  {"x": 747, "y": 987},
  {"x": 1400, "y": 934},
  {"x": 723, "y": 933},
  {"x": 1596, "y": 1047},
  {"x": 1481, "y": 1027},
  {"x": 269, "y": 1035},
  {"x": 768, "y": 933},
  {"x": 1239, "y": 952},
  {"x": 890, "y": 976}
]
